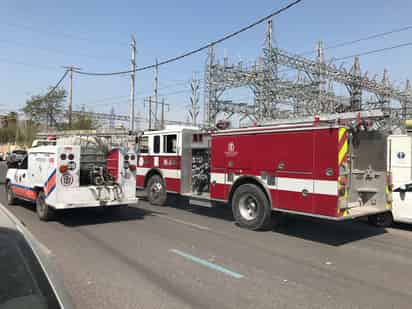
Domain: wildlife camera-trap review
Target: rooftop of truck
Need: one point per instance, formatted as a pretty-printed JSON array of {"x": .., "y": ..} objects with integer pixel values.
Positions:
[{"x": 275, "y": 128}]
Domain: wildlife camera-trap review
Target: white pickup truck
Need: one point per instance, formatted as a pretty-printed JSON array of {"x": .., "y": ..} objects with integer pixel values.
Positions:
[{"x": 72, "y": 176}]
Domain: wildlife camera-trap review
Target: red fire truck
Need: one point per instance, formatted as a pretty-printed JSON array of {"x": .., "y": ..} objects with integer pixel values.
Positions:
[{"x": 319, "y": 168}]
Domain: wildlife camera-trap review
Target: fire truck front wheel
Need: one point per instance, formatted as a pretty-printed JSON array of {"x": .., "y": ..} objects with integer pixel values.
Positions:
[
  {"x": 44, "y": 211},
  {"x": 156, "y": 191},
  {"x": 251, "y": 208}
]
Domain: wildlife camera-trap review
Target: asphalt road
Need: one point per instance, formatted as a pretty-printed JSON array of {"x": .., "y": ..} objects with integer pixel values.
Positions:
[{"x": 184, "y": 257}]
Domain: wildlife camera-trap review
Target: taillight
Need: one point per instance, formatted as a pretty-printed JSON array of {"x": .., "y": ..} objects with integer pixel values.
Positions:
[
  {"x": 63, "y": 156},
  {"x": 71, "y": 156},
  {"x": 132, "y": 167},
  {"x": 63, "y": 169}
]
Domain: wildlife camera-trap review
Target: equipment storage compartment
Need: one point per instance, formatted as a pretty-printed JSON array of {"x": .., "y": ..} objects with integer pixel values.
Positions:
[
  {"x": 200, "y": 171},
  {"x": 368, "y": 176},
  {"x": 94, "y": 154}
]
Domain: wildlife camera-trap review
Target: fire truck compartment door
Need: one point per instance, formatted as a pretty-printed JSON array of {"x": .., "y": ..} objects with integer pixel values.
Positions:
[
  {"x": 293, "y": 192},
  {"x": 294, "y": 171}
]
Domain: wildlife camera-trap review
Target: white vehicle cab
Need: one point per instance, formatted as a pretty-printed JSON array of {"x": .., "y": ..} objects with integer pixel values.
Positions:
[{"x": 72, "y": 176}]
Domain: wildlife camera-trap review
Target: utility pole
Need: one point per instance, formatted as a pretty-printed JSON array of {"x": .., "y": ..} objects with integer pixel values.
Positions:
[
  {"x": 162, "y": 119},
  {"x": 150, "y": 113},
  {"x": 71, "y": 68},
  {"x": 194, "y": 101},
  {"x": 155, "y": 90},
  {"x": 132, "y": 86},
  {"x": 152, "y": 119}
]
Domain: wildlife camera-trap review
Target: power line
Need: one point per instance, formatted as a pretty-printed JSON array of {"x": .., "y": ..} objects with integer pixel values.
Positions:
[
  {"x": 365, "y": 53},
  {"x": 366, "y": 38},
  {"x": 57, "y": 84},
  {"x": 374, "y": 51},
  {"x": 195, "y": 51}
]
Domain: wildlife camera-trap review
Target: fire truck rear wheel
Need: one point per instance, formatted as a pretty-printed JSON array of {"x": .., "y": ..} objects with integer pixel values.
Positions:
[
  {"x": 251, "y": 208},
  {"x": 44, "y": 211},
  {"x": 381, "y": 220},
  {"x": 156, "y": 191},
  {"x": 11, "y": 199}
]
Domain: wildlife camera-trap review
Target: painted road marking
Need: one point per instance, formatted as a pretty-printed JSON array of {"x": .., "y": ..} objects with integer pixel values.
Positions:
[
  {"x": 197, "y": 226},
  {"x": 207, "y": 264}
]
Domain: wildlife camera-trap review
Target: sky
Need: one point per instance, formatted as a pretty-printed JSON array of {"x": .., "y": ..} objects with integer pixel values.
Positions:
[{"x": 37, "y": 38}]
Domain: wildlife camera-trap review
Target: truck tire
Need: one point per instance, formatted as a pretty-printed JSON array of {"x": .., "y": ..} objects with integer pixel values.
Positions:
[
  {"x": 156, "y": 191},
  {"x": 11, "y": 199},
  {"x": 44, "y": 211},
  {"x": 384, "y": 219},
  {"x": 251, "y": 208}
]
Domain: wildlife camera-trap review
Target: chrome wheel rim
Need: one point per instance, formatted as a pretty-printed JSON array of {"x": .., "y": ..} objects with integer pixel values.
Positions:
[
  {"x": 248, "y": 207},
  {"x": 156, "y": 189}
]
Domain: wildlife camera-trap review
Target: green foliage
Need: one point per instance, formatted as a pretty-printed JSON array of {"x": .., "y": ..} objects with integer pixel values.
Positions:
[
  {"x": 48, "y": 110},
  {"x": 7, "y": 135}
]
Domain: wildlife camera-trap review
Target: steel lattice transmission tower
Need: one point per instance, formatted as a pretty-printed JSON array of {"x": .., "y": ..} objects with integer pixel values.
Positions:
[{"x": 289, "y": 85}]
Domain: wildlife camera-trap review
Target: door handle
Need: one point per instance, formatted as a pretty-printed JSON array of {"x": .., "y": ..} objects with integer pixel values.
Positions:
[{"x": 305, "y": 192}]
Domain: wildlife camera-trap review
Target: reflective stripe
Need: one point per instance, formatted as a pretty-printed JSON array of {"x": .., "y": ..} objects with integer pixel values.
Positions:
[
  {"x": 50, "y": 184},
  {"x": 217, "y": 178},
  {"x": 326, "y": 187},
  {"x": 343, "y": 144},
  {"x": 342, "y": 131},
  {"x": 167, "y": 173}
]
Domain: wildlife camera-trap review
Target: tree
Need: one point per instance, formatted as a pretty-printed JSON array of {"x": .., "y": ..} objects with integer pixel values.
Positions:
[{"x": 46, "y": 109}]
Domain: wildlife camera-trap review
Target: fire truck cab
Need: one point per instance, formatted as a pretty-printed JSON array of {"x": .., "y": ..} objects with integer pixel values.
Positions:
[
  {"x": 66, "y": 176},
  {"x": 319, "y": 170}
]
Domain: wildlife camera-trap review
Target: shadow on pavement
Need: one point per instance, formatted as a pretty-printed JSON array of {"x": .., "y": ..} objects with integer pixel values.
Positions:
[
  {"x": 220, "y": 211},
  {"x": 312, "y": 229},
  {"x": 326, "y": 232},
  {"x": 402, "y": 226},
  {"x": 93, "y": 216}
]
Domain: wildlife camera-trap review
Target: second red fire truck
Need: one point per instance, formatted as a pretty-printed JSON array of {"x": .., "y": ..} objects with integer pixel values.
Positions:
[{"x": 320, "y": 168}]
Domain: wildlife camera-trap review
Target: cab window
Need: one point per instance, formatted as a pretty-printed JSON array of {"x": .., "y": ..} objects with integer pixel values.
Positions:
[
  {"x": 24, "y": 164},
  {"x": 144, "y": 144},
  {"x": 170, "y": 143},
  {"x": 156, "y": 144}
]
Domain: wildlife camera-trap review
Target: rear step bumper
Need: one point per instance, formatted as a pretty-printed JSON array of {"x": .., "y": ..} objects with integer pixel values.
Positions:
[{"x": 352, "y": 213}]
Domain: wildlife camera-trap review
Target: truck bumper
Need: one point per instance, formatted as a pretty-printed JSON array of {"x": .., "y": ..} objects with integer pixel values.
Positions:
[
  {"x": 362, "y": 211},
  {"x": 349, "y": 214},
  {"x": 73, "y": 204}
]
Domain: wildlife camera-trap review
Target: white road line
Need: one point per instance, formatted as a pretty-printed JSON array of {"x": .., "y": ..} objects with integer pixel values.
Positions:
[{"x": 194, "y": 225}]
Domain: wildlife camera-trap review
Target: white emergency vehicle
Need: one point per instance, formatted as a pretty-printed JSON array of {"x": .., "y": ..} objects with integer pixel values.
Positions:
[
  {"x": 79, "y": 172},
  {"x": 400, "y": 165}
]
